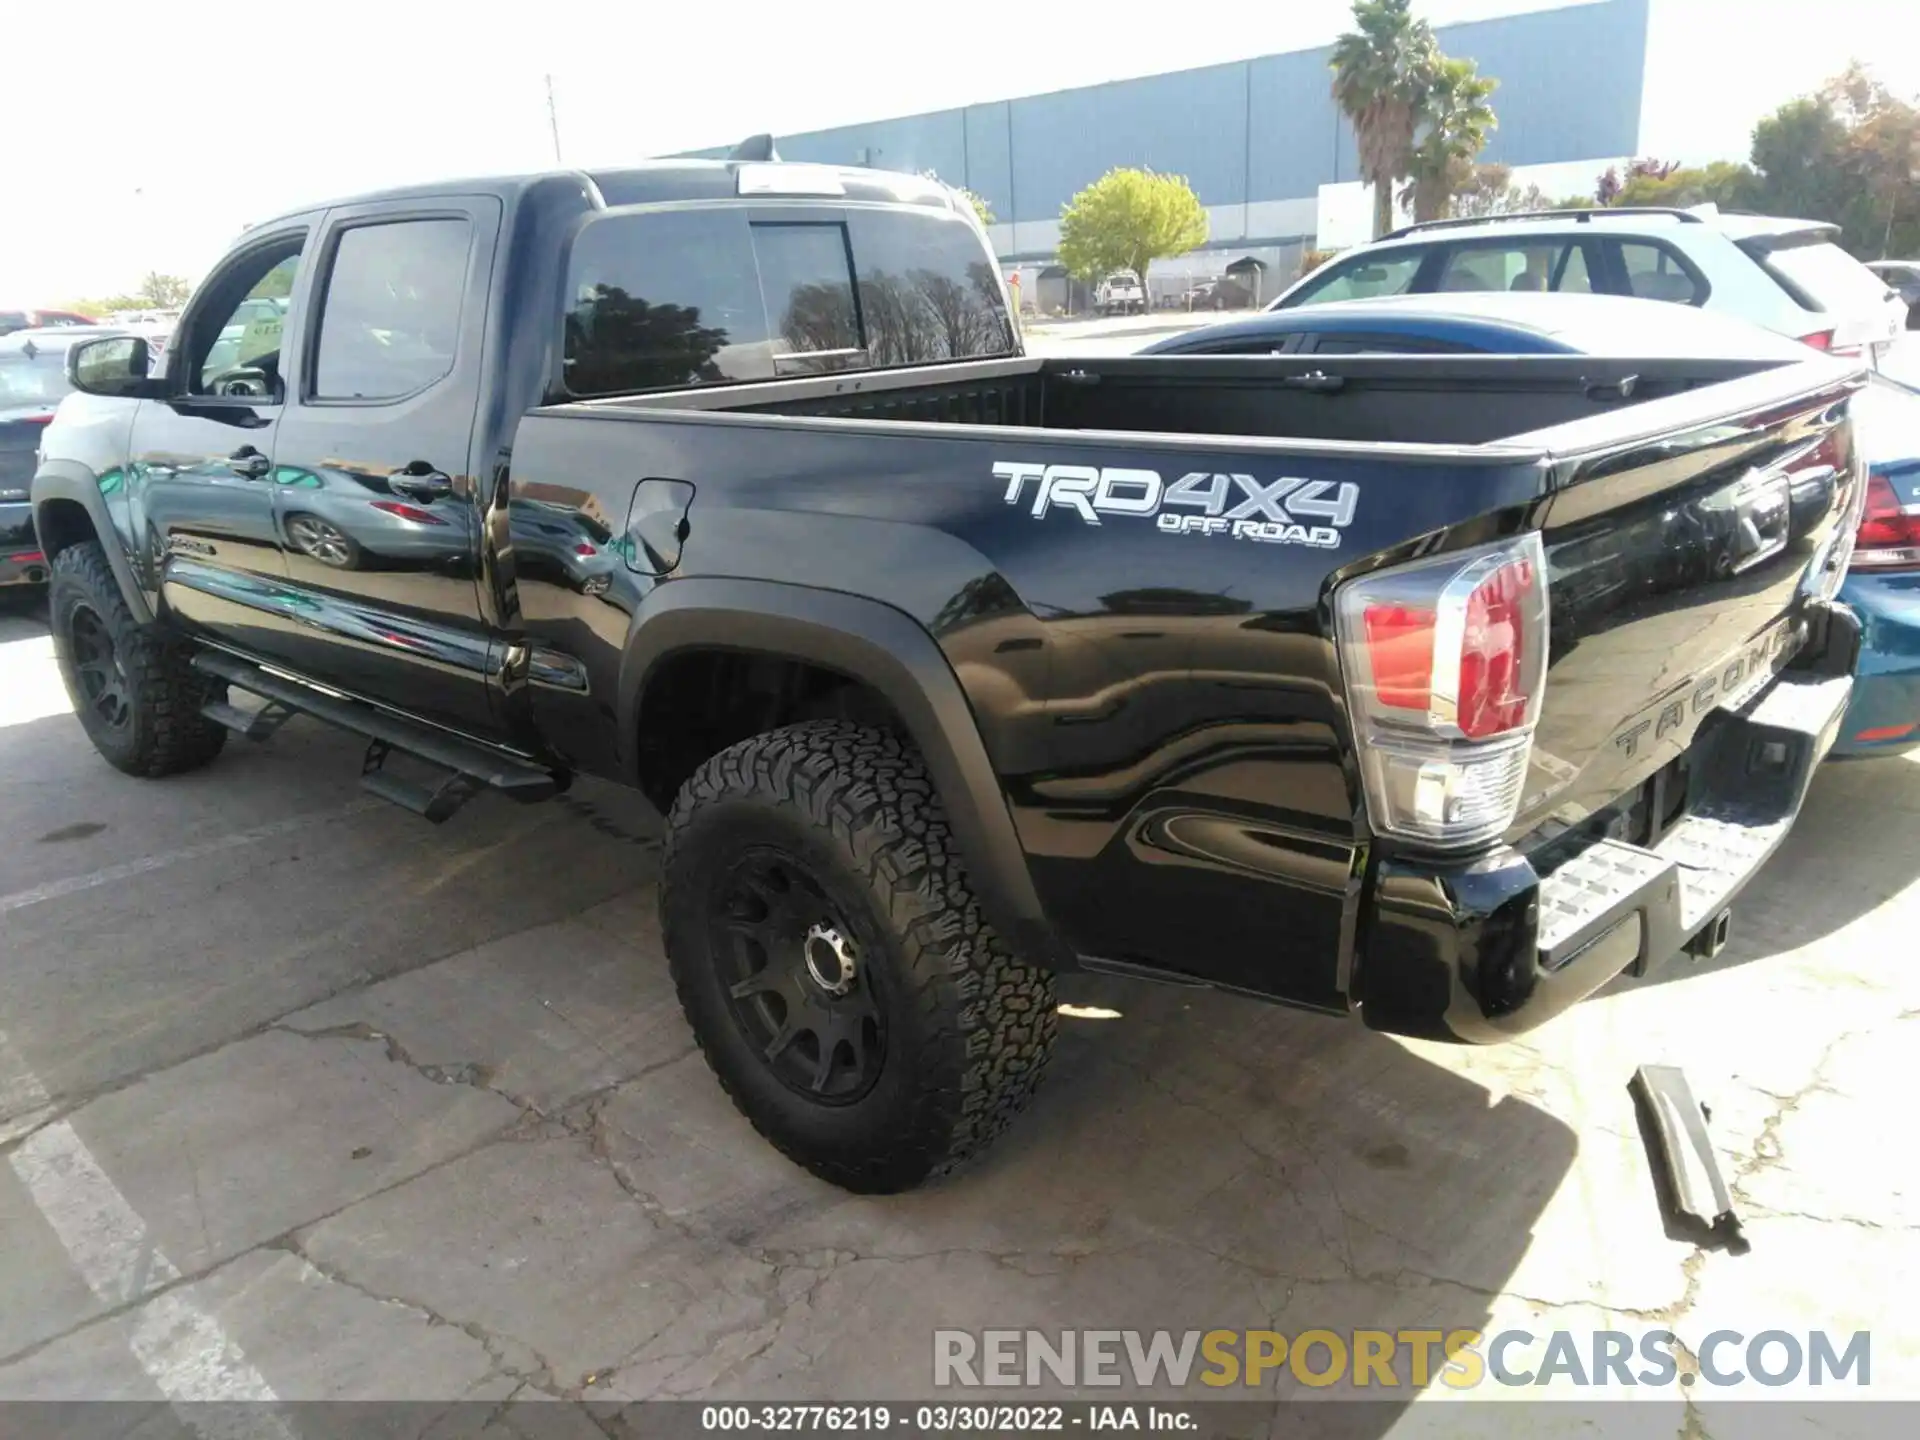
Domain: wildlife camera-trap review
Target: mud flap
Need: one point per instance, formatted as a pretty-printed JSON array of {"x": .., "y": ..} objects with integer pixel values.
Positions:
[{"x": 1692, "y": 1190}]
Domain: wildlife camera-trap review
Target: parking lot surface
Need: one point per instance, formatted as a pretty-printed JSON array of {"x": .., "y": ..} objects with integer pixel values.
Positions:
[{"x": 303, "y": 1098}]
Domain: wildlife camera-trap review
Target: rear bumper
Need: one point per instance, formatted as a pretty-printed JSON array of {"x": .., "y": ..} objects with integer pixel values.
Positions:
[
  {"x": 21, "y": 562},
  {"x": 1488, "y": 951}
]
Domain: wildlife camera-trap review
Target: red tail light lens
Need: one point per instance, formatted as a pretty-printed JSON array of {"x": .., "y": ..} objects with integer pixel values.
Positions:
[
  {"x": 1889, "y": 535},
  {"x": 36, "y": 420},
  {"x": 28, "y": 557},
  {"x": 407, "y": 512},
  {"x": 1819, "y": 339},
  {"x": 1445, "y": 667}
]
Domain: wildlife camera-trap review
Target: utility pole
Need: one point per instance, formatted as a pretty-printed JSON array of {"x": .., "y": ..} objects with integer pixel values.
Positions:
[{"x": 553, "y": 121}]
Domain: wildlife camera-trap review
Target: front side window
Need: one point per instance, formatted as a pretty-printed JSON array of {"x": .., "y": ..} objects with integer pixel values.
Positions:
[
  {"x": 390, "y": 319},
  {"x": 233, "y": 339},
  {"x": 1363, "y": 277},
  {"x": 658, "y": 301}
]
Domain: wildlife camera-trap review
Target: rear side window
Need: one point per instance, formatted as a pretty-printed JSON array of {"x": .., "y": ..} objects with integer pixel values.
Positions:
[
  {"x": 1541, "y": 265},
  {"x": 1363, "y": 277},
  {"x": 1653, "y": 272},
  {"x": 1822, "y": 276},
  {"x": 390, "y": 321}
]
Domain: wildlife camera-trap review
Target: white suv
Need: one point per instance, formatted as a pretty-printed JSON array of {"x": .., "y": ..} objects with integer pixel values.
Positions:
[{"x": 1786, "y": 275}]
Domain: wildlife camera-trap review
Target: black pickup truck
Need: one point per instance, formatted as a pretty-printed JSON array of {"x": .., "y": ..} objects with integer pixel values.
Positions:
[{"x": 1436, "y": 690}]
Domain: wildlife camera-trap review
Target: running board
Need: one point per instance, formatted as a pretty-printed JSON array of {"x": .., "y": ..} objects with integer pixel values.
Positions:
[{"x": 466, "y": 766}]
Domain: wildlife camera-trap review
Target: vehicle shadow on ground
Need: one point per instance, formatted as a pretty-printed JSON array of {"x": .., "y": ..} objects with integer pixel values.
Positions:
[{"x": 1850, "y": 851}]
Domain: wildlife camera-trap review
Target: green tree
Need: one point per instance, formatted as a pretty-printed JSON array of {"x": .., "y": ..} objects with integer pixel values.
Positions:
[
  {"x": 1453, "y": 122},
  {"x": 165, "y": 292},
  {"x": 1126, "y": 220},
  {"x": 1723, "y": 183},
  {"x": 1382, "y": 71},
  {"x": 1849, "y": 154}
]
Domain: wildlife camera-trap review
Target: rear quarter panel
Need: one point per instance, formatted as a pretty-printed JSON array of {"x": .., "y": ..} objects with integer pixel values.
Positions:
[{"x": 1163, "y": 709}]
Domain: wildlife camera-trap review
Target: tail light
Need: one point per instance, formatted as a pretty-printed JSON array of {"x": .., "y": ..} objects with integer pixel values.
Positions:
[
  {"x": 1819, "y": 339},
  {"x": 407, "y": 512},
  {"x": 29, "y": 557},
  {"x": 46, "y": 419},
  {"x": 1889, "y": 534},
  {"x": 1445, "y": 663}
]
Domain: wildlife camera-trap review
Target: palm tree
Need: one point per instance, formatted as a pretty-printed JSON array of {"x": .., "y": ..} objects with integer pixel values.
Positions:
[
  {"x": 1381, "y": 73},
  {"x": 1455, "y": 120}
]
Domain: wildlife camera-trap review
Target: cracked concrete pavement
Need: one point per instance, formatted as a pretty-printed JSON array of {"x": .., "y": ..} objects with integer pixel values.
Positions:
[{"x": 298, "y": 1093}]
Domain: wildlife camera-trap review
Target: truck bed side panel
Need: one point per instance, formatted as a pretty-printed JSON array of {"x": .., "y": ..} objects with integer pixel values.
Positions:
[{"x": 1161, "y": 704}]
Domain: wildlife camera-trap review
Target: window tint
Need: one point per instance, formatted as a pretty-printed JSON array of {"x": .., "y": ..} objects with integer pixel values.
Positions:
[
  {"x": 1655, "y": 273},
  {"x": 1364, "y": 277},
  {"x": 1537, "y": 266},
  {"x": 928, "y": 291},
  {"x": 233, "y": 340},
  {"x": 1352, "y": 344},
  {"x": 806, "y": 285},
  {"x": 390, "y": 321},
  {"x": 663, "y": 300},
  {"x": 1826, "y": 276}
]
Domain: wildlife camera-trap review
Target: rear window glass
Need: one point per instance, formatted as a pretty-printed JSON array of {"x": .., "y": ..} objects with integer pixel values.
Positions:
[
  {"x": 1825, "y": 277},
  {"x": 928, "y": 289},
  {"x": 32, "y": 379},
  {"x": 701, "y": 297},
  {"x": 664, "y": 300},
  {"x": 1362, "y": 278}
]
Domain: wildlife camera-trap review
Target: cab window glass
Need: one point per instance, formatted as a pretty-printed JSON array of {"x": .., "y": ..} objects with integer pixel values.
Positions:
[
  {"x": 233, "y": 346},
  {"x": 390, "y": 320},
  {"x": 656, "y": 301}
]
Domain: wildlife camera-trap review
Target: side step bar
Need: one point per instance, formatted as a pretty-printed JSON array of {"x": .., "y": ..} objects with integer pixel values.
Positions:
[{"x": 467, "y": 767}]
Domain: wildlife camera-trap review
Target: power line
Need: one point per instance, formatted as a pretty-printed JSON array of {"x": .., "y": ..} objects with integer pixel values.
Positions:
[{"x": 553, "y": 121}]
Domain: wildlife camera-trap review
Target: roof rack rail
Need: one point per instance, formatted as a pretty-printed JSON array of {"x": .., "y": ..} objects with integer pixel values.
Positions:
[
  {"x": 1581, "y": 216},
  {"x": 755, "y": 147}
]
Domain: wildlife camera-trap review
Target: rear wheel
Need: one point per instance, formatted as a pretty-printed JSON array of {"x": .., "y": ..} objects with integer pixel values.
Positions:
[
  {"x": 133, "y": 688},
  {"x": 834, "y": 964},
  {"x": 323, "y": 540}
]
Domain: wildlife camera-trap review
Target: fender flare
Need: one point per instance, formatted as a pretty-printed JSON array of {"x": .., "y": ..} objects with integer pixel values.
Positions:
[
  {"x": 66, "y": 480},
  {"x": 882, "y": 647}
]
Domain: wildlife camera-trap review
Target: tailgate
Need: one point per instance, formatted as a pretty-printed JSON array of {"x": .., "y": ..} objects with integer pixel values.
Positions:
[{"x": 1686, "y": 541}]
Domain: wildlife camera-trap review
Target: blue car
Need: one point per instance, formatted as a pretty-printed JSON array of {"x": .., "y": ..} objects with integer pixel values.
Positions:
[{"x": 1883, "y": 585}]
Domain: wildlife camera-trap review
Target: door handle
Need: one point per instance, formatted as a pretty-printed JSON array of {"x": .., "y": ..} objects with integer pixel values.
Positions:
[
  {"x": 249, "y": 464},
  {"x": 420, "y": 481}
]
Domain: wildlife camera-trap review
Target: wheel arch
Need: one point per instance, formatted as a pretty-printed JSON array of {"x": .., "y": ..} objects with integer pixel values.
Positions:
[
  {"x": 68, "y": 510},
  {"x": 878, "y": 648}
]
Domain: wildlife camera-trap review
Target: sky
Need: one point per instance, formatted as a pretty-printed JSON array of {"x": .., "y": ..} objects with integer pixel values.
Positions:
[{"x": 221, "y": 116}]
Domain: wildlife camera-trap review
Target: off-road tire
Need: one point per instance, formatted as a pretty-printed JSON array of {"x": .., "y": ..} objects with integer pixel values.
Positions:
[
  {"x": 969, "y": 1026},
  {"x": 164, "y": 733}
]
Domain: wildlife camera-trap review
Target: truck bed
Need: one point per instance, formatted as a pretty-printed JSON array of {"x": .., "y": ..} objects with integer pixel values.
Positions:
[{"x": 1400, "y": 400}]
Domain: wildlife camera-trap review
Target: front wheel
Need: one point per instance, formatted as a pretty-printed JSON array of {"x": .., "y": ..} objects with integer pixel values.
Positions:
[
  {"x": 834, "y": 964},
  {"x": 133, "y": 688}
]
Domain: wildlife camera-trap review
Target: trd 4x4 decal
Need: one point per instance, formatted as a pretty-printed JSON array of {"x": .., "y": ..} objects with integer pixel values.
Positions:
[{"x": 1287, "y": 511}]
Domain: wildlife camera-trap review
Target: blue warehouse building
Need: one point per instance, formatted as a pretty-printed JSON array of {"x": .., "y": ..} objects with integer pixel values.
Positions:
[{"x": 1261, "y": 139}]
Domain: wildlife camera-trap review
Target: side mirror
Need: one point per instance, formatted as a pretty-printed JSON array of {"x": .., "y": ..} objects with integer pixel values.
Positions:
[{"x": 119, "y": 365}]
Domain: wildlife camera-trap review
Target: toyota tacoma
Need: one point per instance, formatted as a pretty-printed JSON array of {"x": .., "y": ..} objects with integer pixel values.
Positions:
[{"x": 1432, "y": 690}]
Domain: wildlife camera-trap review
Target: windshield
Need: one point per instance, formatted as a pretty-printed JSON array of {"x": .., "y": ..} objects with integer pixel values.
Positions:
[
  {"x": 32, "y": 379},
  {"x": 1825, "y": 277}
]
